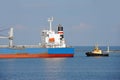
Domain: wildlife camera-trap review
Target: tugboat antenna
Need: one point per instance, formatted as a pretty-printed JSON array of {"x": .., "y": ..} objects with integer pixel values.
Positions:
[{"x": 108, "y": 49}]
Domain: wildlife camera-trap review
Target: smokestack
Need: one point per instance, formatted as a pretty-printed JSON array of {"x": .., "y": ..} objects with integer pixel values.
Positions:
[{"x": 60, "y": 31}]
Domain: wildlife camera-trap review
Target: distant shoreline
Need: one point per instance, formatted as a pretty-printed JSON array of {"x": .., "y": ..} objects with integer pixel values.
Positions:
[{"x": 116, "y": 51}]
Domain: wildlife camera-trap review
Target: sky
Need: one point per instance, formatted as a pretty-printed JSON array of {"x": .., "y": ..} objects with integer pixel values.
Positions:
[{"x": 85, "y": 22}]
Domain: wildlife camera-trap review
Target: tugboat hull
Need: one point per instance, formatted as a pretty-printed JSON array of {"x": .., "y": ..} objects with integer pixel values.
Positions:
[{"x": 93, "y": 54}]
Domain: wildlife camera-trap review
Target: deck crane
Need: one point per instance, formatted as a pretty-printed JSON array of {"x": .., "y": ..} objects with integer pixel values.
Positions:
[{"x": 10, "y": 37}]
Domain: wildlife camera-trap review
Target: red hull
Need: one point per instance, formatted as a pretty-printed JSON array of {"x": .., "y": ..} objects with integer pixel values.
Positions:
[{"x": 25, "y": 55}]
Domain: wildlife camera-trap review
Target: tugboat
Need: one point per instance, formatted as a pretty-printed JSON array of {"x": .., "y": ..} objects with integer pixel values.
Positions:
[{"x": 96, "y": 52}]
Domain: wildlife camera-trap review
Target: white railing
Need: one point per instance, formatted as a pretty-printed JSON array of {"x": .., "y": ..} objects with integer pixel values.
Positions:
[
  {"x": 28, "y": 46},
  {"x": 21, "y": 46},
  {"x": 4, "y": 46}
]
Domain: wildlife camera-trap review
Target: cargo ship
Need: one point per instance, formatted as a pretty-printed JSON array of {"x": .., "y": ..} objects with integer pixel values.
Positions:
[{"x": 52, "y": 46}]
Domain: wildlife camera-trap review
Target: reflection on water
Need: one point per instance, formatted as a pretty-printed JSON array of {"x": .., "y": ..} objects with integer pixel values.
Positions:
[{"x": 53, "y": 67}]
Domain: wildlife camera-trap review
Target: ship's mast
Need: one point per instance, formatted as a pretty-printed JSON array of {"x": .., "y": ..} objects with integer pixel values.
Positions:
[{"x": 50, "y": 21}]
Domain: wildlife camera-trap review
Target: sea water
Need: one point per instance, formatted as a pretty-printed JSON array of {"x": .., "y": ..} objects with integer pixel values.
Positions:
[{"x": 80, "y": 67}]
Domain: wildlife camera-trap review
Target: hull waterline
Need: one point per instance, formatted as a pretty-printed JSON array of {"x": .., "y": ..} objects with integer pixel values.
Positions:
[
  {"x": 43, "y": 55},
  {"x": 93, "y": 54}
]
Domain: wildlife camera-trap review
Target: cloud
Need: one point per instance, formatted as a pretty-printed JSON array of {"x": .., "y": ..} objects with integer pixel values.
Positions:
[
  {"x": 19, "y": 27},
  {"x": 84, "y": 25},
  {"x": 81, "y": 27},
  {"x": 35, "y": 5}
]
